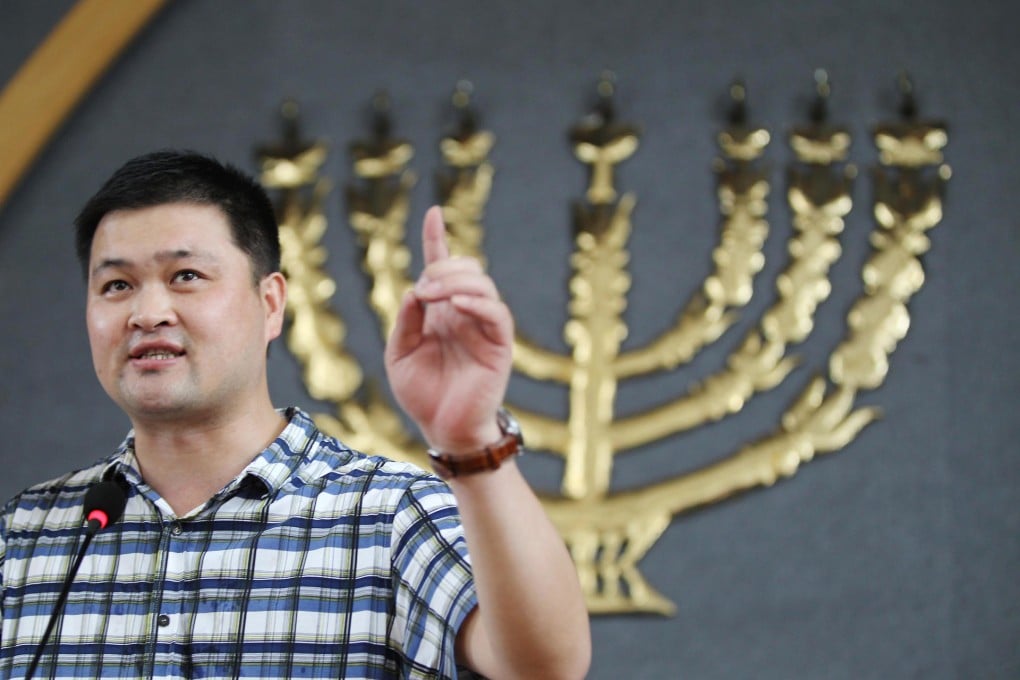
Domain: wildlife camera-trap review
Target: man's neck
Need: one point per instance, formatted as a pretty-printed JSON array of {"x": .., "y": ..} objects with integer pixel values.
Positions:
[{"x": 187, "y": 463}]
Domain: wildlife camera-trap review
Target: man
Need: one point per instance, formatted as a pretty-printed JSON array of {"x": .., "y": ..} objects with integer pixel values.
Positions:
[{"x": 252, "y": 544}]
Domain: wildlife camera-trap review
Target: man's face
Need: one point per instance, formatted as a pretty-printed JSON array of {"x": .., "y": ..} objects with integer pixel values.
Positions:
[{"x": 178, "y": 329}]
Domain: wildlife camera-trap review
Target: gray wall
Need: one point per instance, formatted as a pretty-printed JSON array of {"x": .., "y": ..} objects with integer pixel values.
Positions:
[{"x": 897, "y": 557}]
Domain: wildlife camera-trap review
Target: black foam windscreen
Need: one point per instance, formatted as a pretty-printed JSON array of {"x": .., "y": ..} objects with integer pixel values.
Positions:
[{"x": 108, "y": 497}]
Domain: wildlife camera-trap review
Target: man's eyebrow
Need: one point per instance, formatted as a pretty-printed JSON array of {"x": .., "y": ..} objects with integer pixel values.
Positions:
[
  {"x": 108, "y": 263},
  {"x": 161, "y": 256},
  {"x": 182, "y": 254}
]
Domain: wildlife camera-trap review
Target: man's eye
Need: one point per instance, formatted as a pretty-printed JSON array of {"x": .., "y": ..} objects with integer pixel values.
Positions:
[
  {"x": 186, "y": 275},
  {"x": 115, "y": 286}
]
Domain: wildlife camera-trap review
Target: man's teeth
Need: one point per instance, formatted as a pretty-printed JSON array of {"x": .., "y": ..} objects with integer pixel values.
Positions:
[{"x": 157, "y": 354}]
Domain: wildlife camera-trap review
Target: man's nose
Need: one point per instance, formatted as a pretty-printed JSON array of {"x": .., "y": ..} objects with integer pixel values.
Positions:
[{"x": 152, "y": 307}]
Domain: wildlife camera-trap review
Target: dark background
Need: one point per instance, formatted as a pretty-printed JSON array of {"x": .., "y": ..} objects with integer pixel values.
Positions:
[{"x": 897, "y": 557}]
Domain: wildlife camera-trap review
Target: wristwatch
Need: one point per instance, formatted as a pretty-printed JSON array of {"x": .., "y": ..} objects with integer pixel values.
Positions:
[{"x": 511, "y": 443}]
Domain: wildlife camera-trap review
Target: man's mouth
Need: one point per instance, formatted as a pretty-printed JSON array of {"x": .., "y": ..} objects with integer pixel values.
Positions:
[
  {"x": 156, "y": 351},
  {"x": 157, "y": 354}
]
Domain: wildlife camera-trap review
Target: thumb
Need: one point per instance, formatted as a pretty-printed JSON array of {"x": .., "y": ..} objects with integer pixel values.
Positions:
[{"x": 407, "y": 329}]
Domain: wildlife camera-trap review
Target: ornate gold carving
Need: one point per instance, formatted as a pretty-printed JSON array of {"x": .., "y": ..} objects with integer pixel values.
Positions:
[
  {"x": 819, "y": 197},
  {"x": 378, "y": 212},
  {"x": 908, "y": 203},
  {"x": 742, "y": 192},
  {"x": 316, "y": 334},
  {"x": 609, "y": 532},
  {"x": 465, "y": 191}
]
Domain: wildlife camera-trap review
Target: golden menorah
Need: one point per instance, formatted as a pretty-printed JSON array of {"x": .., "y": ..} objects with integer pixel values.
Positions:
[{"x": 608, "y": 532}]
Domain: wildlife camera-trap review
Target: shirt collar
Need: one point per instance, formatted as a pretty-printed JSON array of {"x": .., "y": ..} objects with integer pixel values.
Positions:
[
  {"x": 279, "y": 462},
  {"x": 270, "y": 470}
]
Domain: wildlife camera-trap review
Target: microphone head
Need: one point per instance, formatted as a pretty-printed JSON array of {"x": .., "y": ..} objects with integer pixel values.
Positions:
[{"x": 104, "y": 502}]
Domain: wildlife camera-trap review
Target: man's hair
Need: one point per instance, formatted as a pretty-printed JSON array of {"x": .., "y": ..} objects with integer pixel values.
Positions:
[{"x": 164, "y": 177}]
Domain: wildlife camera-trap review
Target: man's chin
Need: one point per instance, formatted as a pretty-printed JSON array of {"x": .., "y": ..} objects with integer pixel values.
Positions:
[{"x": 159, "y": 407}]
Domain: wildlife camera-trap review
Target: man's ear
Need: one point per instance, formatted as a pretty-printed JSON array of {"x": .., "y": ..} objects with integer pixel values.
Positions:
[{"x": 273, "y": 292}]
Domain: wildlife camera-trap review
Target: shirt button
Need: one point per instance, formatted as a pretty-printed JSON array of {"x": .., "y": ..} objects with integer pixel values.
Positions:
[
  {"x": 176, "y": 529},
  {"x": 163, "y": 620}
]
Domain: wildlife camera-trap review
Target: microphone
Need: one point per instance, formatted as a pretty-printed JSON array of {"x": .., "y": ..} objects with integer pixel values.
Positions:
[{"x": 104, "y": 504}]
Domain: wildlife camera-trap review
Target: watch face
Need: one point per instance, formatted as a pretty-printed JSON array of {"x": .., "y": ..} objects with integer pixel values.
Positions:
[{"x": 508, "y": 424}]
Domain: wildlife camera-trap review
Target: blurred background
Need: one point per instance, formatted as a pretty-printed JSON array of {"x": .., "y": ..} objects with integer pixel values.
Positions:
[{"x": 895, "y": 557}]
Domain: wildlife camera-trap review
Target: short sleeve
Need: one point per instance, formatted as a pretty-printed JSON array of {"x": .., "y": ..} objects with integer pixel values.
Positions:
[{"x": 432, "y": 578}]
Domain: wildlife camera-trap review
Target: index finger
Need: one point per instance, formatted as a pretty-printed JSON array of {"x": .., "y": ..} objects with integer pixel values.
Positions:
[{"x": 433, "y": 236}]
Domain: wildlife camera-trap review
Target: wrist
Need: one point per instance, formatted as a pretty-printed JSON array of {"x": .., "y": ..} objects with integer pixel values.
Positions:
[
  {"x": 464, "y": 444},
  {"x": 461, "y": 460}
]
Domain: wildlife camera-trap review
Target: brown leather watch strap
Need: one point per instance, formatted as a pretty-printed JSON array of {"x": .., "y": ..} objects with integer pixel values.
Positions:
[{"x": 448, "y": 465}]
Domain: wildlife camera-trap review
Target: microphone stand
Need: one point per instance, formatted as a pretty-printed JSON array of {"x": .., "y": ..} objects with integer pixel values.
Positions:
[{"x": 94, "y": 526}]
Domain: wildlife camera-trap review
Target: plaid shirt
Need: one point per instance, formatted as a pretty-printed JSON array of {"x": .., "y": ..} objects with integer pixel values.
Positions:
[{"x": 317, "y": 562}]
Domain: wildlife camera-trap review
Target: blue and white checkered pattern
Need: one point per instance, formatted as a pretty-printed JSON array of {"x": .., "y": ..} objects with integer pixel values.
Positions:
[{"x": 317, "y": 562}]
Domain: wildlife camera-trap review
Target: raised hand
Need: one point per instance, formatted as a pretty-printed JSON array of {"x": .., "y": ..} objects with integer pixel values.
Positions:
[
  {"x": 448, "y": 362},
  {"x": 449, "y": 357}
]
